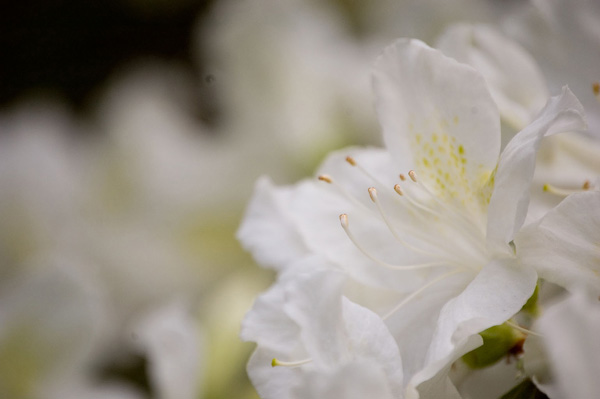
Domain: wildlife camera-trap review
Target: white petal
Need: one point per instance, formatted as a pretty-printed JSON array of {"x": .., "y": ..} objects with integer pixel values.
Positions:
[
  {"x": 315, "y": 304},
  {"x": 564, "y": 246},
  {"x": 498, "y": 292},
  {"x": 267, "y": 230},
  {"x": 514, "y": 78},
  {"x": 433, "y": 381},
  {"x": 371, "y": 339},
  {"x": 357, "y": 380},
  {"x": 510, "y": 199},
  {"x": 268, "y": 325},
  {"x": 438, "y": 118}
]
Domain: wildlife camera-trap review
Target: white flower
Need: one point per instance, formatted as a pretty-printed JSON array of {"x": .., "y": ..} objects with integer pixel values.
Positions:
[
  {"x": 569, "y": 349},
  {"x": 442, "y": 232},
  {"x": 279, "y": 82},
  {"x": 563, "y": 37}
]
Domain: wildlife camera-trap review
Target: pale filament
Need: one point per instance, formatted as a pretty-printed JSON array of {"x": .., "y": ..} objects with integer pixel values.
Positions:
[
  {"x": 413, "y": 208},
  {"x": 374, "y": 198},
  {"x": 353, "y": 162},
  {"x": 420, "y": 290},
  {"x": 345, "y": 226},
  {"x": 459, "y": 217},
  {"x": 563, "y": 192},
  {"x": 522, "y": 329},
  {"x": 329, "y": 180},
  {"x": 275, "y": 363}
]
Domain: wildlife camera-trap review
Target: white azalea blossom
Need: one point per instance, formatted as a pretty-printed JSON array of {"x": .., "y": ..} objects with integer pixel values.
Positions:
[
  {"x": 568, "y": 348},
  {"x": 563, "y": 36},
  {"x": 441, "y": 231}
]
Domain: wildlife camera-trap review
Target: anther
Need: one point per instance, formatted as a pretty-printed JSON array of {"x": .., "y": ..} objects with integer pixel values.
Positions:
[
  {"x": 344, "y": 220},
  {"x": 586, "y": 185},
  {"x": 596, "y": 88},
  {"x": 413, "y": 175},
  {"x": 373, "y": 194},
  {"x": 398, "y": 189},
  {"x": 351, "y": 160},
  {"x": 326, "y": 178}
]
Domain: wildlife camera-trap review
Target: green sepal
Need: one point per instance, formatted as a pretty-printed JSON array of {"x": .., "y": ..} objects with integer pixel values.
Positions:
[
  {"x": 525, "y": 390},
  {"x": 497, "y": 343},
  {"x": 531, "y": 306}
]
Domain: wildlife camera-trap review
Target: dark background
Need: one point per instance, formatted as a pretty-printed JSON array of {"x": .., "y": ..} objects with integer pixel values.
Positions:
[{"x": 69, "y": 47}]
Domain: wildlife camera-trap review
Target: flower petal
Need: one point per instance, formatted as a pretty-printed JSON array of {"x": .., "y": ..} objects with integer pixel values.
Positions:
[
  {"x": 371, "y": 339},
  {"x": 314, "y": 302},
  {"x": 356, "y": 380},
  {"x": 438, "y": 118},
  {"x": 271, "y": 382},
  {"x": 510, "y": 199},
  {"x": 267, "y": 230},
  {"x": 514, "y": 78},
  {"x": 498, "y": 292},
  {"x": 267, "y": 324},
  {"x": 564, "y": 246}
]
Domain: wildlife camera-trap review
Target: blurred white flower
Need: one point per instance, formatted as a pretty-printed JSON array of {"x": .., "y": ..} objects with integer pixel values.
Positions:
[
  {"x": 569, "y": 347},
  {"x": 292, "y": 82},
  {"x": 563, "y": 36}
]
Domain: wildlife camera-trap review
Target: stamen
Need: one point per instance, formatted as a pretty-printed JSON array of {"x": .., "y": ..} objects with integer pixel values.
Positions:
[
  {"x": 345, "y": 226},
  {"x": 522, "y": 329},
  {"x": 420, "y": 290},
  {"x": 398, "y": 189},
  {"x": 276, "y": 362},
  {"x": 373, "y": 195},
  {"x": 470, "y": 226},
  {"x": 596, "y": 89},
  {"x": 563, "y": 192},
  {"x": 413, "y": 175},
  {"x": 402, "y": 177},
  {"x": 586, "y": 185},
  {"x": 353, "y": 162},
  {"x": 326, "y": 178}
]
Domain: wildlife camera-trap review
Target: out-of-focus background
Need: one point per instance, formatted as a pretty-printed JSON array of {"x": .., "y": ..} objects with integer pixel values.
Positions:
[{"x": 131, "y": 134}]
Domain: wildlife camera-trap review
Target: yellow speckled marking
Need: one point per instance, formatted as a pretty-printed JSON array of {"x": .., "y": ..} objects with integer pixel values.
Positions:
[{"x": 442, "y": 161}]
